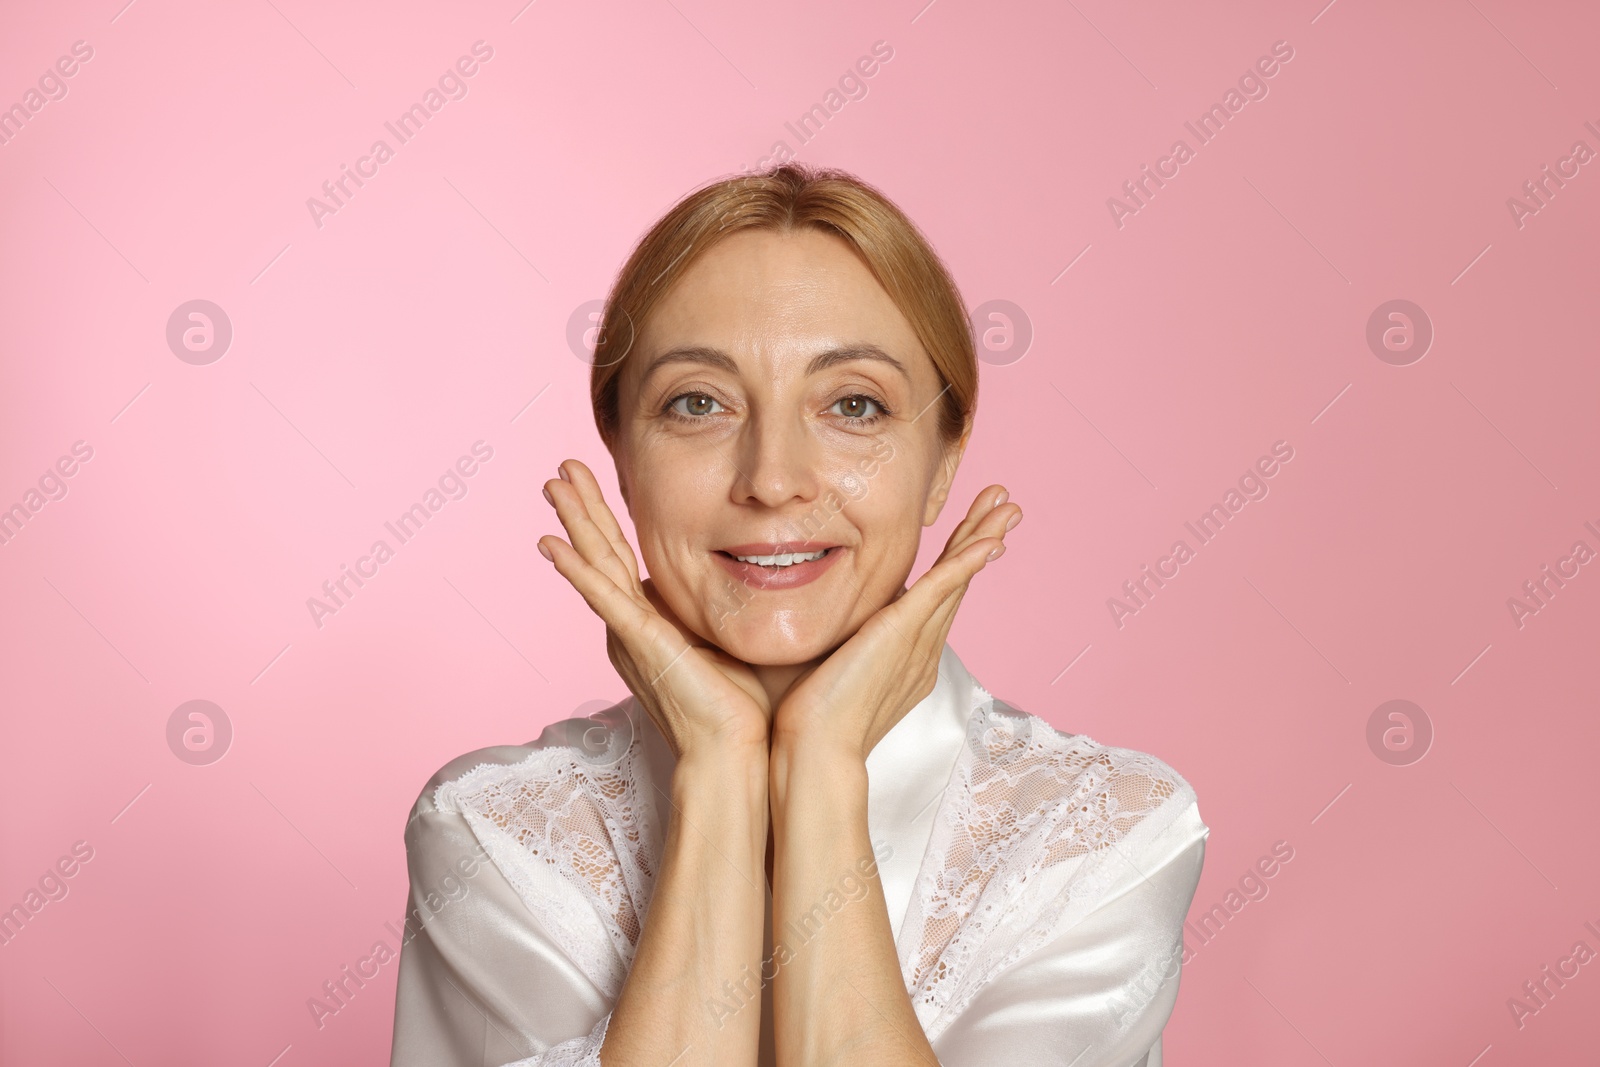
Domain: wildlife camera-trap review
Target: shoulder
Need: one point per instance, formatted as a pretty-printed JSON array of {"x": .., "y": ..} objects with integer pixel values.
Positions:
[
  {"x": 561, "y": 758},
  {"x": 1015, "y": 740},
  {"x": 577, "y": 802},
  {"x": 566, "y": 820},
  {"x": 1040, "y": 829},
  {"x": 1092, "y": 793}
]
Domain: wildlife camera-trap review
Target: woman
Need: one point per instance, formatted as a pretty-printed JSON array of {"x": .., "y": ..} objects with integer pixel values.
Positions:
[{"x": 810, "y": 836}]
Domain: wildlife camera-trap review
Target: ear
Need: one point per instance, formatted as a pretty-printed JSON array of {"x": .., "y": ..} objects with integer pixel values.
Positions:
[{"x": 939, "y": 490}]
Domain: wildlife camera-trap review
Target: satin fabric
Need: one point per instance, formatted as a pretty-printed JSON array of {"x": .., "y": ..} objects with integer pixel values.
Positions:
[{"x": 482, "y": 983}]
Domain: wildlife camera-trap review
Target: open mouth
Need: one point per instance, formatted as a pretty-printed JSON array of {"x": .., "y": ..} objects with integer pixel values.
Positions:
[
  {"x": 782, "y": 559},
  {"x": 760, "y": 567}
]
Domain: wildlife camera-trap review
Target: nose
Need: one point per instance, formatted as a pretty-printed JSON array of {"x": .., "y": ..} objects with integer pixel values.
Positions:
[{"x": 775, "y": 462}]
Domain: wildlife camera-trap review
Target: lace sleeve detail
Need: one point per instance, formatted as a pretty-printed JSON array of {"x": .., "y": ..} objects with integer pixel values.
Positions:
[
  {"x": 585, "y": 813},
  {"x": 1020, "y": 847}
]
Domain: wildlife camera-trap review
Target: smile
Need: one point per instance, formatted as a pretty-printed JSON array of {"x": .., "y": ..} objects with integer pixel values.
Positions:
[
  {"x": 787, "y": 559},
  {"x": 765, "y": 567}
]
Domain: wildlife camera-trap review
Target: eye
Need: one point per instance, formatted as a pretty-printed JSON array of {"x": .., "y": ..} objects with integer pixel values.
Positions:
[
  {"x": 861, "y": 409},
  {"x": 696, "y": 406}
]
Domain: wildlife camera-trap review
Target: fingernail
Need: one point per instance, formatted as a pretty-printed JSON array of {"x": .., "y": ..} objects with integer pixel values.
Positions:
[
  {"x": 997, "y": 553},
  {"x": 545, "y": 552},
  {"x": 1013, "y": 520},
  {"x": 563, "y": 472},
  {"x": 550, "y": 498},
  {"x": 1005, "y": 494}
]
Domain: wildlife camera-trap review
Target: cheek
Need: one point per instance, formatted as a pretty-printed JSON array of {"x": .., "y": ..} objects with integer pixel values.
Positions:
[
  {"x": 884, "y": 503},
  {"x": 669, "y": 494},
  {"x": 674, "y": 507},
  {"x": 666, "y": 527}
]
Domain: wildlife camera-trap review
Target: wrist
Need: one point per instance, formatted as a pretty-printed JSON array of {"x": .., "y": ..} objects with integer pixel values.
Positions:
[
  {"x": 797, "y": 729},
  {"x": 830, "y": 772},
  {"x": 814, "y": 749},
  {"x": 721, "y": 771}
]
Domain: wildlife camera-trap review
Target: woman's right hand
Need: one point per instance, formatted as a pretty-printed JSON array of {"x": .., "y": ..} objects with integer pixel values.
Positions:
[{"x": 699, "y": 696}]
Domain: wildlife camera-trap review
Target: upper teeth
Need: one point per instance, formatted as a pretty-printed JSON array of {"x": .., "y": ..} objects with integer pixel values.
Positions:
[{"x": 783, "y": 560}]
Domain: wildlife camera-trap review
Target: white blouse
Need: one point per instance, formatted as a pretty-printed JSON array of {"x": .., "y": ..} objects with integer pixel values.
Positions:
[{"x": 1036, "y": 882}]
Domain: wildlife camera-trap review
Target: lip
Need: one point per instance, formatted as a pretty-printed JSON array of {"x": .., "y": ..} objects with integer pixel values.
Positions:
[
  {"x": 776, "y": 548},
  {"x": 789, "y": 577}
]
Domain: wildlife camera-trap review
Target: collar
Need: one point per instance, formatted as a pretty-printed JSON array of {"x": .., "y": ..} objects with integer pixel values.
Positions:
[
  {"x": 908, "y": 773},
  {"x": 910, "y": 766}
]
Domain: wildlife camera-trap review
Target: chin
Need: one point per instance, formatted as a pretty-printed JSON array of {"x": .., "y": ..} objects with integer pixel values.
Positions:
[{"x": 774, "y": 640}]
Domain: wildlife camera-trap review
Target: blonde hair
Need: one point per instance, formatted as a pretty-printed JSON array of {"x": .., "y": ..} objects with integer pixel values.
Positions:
[{"x": 789, "y": 197}]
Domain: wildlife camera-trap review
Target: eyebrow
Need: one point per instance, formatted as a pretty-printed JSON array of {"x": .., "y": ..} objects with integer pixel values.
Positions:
[{"x": 714, "y": 357}]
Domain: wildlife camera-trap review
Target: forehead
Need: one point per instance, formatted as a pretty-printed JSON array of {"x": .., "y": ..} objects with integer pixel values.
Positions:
[{"x": 776, "y": 296}]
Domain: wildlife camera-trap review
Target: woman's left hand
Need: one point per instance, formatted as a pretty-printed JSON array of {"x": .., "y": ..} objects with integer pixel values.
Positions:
[{"x": 848, "y": 702}]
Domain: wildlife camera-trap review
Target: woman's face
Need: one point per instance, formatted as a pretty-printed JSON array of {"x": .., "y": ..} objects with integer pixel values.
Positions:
[{"x": 777, "y": 401}]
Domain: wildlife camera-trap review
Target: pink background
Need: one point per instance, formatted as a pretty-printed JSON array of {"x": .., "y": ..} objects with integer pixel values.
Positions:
[{"x": 368, "y": 354}]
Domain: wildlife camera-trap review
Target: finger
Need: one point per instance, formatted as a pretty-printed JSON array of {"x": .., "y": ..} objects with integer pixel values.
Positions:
[
  {"x": 999, "y": 522},
  {"x": 918, "y": 620},
  {"x": 981, "y": 505},
  {"x": 615, "y": 605},
  {"x": 922, "y": 616},
  {"x": 927, "y": 610},
  {"x": 987, "y": 499},
  {"x": 936, "y": 629},
  {"x": 587, "y": 537},
  {"x": 583, "y": 479},
  {"x": 987, "y": 517},
  {"x": 941, "y": 588},
  {"x": 938, "y": 592}
]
